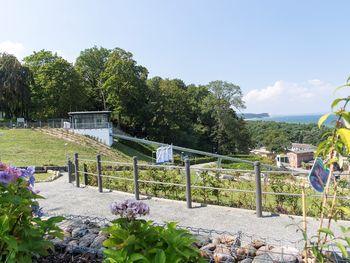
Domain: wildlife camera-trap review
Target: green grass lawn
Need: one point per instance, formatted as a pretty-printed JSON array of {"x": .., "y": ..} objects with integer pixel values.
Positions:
[{"x": 23, "y": 147}]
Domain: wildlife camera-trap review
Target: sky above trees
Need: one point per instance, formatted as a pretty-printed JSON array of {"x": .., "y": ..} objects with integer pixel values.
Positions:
[{"x": 287, "y": 56}]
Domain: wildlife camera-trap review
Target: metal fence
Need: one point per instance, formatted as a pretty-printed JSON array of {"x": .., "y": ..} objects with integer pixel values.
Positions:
[
  {"x": 50, "y": 123},
  {"x": 77, "y": 167}
]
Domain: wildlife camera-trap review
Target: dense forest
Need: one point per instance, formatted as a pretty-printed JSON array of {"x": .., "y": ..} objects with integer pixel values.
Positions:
[
  {"x": 45, "y": 85},
  {"x": 278, "y": 136}
]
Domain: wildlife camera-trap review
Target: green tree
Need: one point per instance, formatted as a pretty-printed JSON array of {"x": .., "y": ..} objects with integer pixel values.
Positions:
[
  {"x": 276, "y": 141},
  {"x": 229, "y": 132},
  {"x": 169, "y": 111},
  {"x": 15, "y": 80},
  {"x": 124, "y": 83},
  {"x": 57, "y": 87},
  {"x": 90, "y": 64}
]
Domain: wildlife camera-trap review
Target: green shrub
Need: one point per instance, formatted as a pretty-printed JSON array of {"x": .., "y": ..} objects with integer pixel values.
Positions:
[
  {"x": 137, "y": 240},
  {"x": 22, "y": 231}
]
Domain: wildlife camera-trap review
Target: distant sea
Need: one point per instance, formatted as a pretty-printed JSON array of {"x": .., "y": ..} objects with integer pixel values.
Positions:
[{"x": 302, "y": 119}]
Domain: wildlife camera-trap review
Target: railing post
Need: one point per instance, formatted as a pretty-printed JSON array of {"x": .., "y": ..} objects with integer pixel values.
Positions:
[
  {"x": 258, "y": 189},
  {"x": 85, "y": 175},
  {"x": 136, "y": 178},
  {"x": 76, "y": 164},
  {"x": 188, "y": 183},
  {"x": 69, "y": 170},
  {"x": 99, "y": 173}
]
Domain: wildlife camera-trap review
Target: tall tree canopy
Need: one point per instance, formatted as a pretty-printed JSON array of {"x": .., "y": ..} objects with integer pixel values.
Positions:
[
  {"x": 15, "y": 81},
  {"x": 57, "y": 87},
  {"x": 125, "y": 86},
  {"x": 90, "y": 64}
]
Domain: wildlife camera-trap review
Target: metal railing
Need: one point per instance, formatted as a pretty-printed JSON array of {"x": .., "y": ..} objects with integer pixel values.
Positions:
[{"x": 76, "y": 168}]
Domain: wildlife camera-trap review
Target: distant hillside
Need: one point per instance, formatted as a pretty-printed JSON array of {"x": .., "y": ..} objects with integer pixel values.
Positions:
[{"x": 253, "y": 115}]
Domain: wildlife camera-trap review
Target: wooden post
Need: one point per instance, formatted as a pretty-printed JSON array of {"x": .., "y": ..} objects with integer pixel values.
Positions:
[
  {"x": 69, "y": 170},
  {"x": 304, "y": 221},
  {"x": 85, "y": 176},
  {"x": 136, "y": 178},
  {"x": 76, "y": 164},
  {"x": 188, "y": 183},
  {"x": 258, "y": 189},
  {"x": 99, "y": 173}
]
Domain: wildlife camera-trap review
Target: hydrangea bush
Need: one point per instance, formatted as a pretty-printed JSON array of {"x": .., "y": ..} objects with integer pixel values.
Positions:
[
  {"x": 137, "y": 240},
  {"x": 22, "y": 231}
]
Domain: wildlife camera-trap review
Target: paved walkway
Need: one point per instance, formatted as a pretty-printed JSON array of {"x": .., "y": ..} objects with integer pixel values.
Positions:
[{"x": 64, "y": 198}]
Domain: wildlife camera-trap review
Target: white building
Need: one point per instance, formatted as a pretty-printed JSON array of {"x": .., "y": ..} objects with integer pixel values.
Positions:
[{"x": 92, "y": 123}]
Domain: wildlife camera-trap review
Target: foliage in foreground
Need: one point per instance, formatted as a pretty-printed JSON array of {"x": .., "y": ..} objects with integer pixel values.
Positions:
[
  {"x": 22, "y": 231},
  {"x": 138, "y": 240},
  {"x": 335, "y": 149}
]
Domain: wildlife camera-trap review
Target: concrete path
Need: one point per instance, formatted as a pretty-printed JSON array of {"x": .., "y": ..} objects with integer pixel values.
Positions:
[{"x": 64, "y": 198}]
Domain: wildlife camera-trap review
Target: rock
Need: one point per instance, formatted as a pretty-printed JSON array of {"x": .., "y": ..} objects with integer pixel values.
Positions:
[
  {"x": 201, "y": 240},
  {"x": 285, "y": 255},
  {"x": 239, "y": 253},
  {"x": 264, "y": 258},
  {"x": 71, "y": 245},
  {"x": 250, "y": 251},
  {"x": 79, "y": 232},
  {"x": 216, "y": 241},
  {"x": 228, "y": 177},
  {"x": 247, "y": 260},
  {"x": 227, "y": 240},
  {"x": 257, "y": 243},
  {"x": 206, "y": 254},
  {"x": 97, "y": 243},
  {"x": 210, "y": 247},
  {"x": 222, "y": 249},
  {"x": 223, "y": 258},
  {"x": 86, "y": 240},
  {"x": 263, "y": 250}
]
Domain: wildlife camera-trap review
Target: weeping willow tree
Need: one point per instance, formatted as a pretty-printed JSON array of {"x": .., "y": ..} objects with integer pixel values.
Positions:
[{"x": 15, "y": 82}]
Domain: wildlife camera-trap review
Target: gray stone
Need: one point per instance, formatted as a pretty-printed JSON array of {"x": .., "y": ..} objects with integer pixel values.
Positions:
[
  {"x": 285, "y": 255},
  {"x": 98, "y": 241},
  {"x": 71, "y": 245},
  {"x": 223, "y": 258},
  {"x": 257, "y": 243},
  {"x": 201, "y": 240},
  {"x": 239, "y": 253},
  {"x": 263, "y": 250},
  {"x": 264, "y": 258},
  {"x": 210, "y": 247},
  {"x": 250, "y": 251},
  {"x": 222, "y": 249},
  {"x": 79, "y": 232},
  {"x": 86, "y": 240},
  {"x": 227, "y": 240},
  {"x": 247, "y": 260},
  {"x": 228, "y": 177}
]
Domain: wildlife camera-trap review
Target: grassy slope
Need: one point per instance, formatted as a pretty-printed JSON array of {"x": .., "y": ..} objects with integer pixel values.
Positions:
[
  {"x": 29, "y": 147},
  {"x": 131, "y": 152}
]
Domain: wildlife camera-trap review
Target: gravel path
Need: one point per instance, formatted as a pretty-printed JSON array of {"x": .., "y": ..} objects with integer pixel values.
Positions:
[{"x": 64, "y": 198}]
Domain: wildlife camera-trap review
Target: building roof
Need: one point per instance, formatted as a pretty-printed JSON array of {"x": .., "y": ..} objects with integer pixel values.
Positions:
[
  {"x": 88, "y": 112},
  {"x": 304, "y": 146}
]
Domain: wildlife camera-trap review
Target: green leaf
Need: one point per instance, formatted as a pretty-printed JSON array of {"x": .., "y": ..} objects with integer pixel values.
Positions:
[
  {"x": 345, "y": 137},
  {"x": 326, "y": 231},
  {"x": 336, "y": 101},
  {"x": 347, "y": 239},
  {"x": 342, "y": 249},
  {"x": 160, "y": 257},
  {"x": 323, "y": 119}
]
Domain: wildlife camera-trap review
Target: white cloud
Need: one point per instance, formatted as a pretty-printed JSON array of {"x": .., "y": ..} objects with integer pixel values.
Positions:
[
  {"x": 14, "y": 48},
  {"x": 312, "y": 96}
]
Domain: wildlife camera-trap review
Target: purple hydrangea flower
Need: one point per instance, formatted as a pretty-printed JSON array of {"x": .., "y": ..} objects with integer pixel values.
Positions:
[
  {"x": 129, "y": 209},
  {"x": 37, "y": 211},
  {"x": 6, "y": 177}
]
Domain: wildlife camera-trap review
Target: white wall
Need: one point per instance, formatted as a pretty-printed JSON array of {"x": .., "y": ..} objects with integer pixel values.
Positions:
[{"x": 102, "y": 135}]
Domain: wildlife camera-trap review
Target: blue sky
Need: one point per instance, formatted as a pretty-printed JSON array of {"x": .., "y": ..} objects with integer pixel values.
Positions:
[{"x": 287, "y": 56}]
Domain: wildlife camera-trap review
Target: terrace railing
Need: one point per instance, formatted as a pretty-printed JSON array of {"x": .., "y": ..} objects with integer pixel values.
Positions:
[{"x": 77, "y": 171}]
